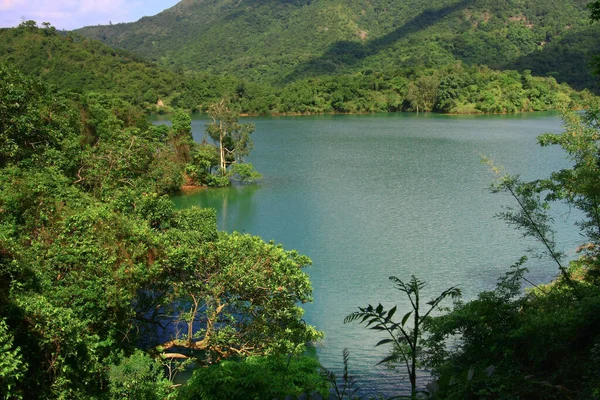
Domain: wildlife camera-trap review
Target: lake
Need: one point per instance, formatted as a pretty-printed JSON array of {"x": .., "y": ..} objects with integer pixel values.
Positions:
[{"x": 370, "y": 196}]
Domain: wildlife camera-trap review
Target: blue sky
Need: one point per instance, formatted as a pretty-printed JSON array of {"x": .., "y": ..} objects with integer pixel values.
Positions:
[{"x": 73, "y": 14}]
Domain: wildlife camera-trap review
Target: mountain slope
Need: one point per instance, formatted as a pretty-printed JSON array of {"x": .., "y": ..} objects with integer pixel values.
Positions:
[
  {"x": 79, "y": 64},
  {"x": 76, "y": 63},
  {"x": 279, "y": 41}
]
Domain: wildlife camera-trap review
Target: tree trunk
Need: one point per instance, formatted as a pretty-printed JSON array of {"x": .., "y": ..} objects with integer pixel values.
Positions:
[{"x": 221, "y": 149}]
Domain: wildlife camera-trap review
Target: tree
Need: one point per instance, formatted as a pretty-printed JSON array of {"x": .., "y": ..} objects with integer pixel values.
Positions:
[
  {"x": 256, "y": 377},
  {"x": 232, "y": 138},
  {"x": 405, "y": 341},
  {"x": 236, "y": 296},
  {"x": 448, "y": 93},
  {"x": 138, "y": 377},
  {"x": 33, "y": 118},
  {"x": 181, "y": 135},
  {"x": 422, "y": 93},
  {"x": 29, "y": 24}
]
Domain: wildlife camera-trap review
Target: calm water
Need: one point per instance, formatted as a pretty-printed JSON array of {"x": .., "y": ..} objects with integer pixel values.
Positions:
[{"x": 371, "y": 196}]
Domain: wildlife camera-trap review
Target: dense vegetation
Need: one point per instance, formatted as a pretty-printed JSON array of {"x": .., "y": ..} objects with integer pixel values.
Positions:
[
  {"x": 75, "y": 63},
  {"x": 106, "y": 291},
  {"x": 283, "y": 41},
  {"x": 545, "y": 343},
  {"x": 78, "y": 64},
  {"x": 103, "y": 285}
]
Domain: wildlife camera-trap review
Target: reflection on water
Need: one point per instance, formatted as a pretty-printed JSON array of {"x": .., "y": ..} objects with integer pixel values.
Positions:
[{"x": 235, "y": 204}]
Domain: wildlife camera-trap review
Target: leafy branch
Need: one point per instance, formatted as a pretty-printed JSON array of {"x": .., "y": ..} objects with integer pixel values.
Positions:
[{"x": 404, "y": 339}]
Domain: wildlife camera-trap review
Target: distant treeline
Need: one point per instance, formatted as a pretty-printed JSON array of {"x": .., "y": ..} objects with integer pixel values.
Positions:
[{"x": 455, "y": 89}]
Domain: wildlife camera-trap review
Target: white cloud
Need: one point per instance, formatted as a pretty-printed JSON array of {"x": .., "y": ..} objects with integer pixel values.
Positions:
[
  {"x": 67, "y": 14},
  {"x": 9, "y": 4},
  {"x": 72, "y": 14}
]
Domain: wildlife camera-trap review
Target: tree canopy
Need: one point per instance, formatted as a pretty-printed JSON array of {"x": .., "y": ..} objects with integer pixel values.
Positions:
[{"x": 100, "y": 277}]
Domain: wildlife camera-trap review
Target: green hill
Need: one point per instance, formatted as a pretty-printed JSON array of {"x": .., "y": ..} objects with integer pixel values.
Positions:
[
  {"x": 84, "y": 65},
  {"x": 280, "y": 41},
  {"x": 79, "y": 64}
]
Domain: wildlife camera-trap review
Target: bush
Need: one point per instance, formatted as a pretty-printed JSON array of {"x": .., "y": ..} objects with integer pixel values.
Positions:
[
  {"x": 256, "y": 378},
  {"x": 138, "y": 377}
]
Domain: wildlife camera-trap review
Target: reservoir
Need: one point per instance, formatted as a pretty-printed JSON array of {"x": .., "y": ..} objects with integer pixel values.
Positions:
[{"x": 371, "y": 196}]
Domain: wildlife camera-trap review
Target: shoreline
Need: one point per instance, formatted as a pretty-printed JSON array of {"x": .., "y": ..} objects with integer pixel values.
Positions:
[
  {"x": 189, "y": 189},
  {"x": 308, "y": 114}
]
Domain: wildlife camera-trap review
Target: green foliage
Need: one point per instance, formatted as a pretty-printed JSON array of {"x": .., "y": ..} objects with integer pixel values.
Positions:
[
  {"x": 245, "y": 172},
  {"x": 138, "y": 376},
  {"x": 205, "y": 159},
  {"x": 64, "y": 357},
  {"x": 94, "y": 258},
  {"x": 256, "y": 378},
  {"x": 282, "y": 42},
  {"x": 534, "y": 346},
  {"x": 180, "y": 136},
  {"x": 33, "y": 118},
  {"x": 237, "y": 295},
  {"x": 158, "y": 211},
  {"x": 182, "y": 123},
  {"x": 405, "y": 340},
  {"x": 217, "y": 180},
  {"x": 12, "y": 367},
  {"x": 217, "y": 164},
  {"x": 199, "y": 223},
  {"x": 232, "y": 138}
]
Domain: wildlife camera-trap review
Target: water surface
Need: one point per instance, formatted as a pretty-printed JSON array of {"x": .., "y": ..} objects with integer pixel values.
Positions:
[{"x": 371, "y": 196}]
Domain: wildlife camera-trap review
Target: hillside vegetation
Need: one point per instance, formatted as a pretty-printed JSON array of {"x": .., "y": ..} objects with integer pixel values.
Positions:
[
  {"x": 83, "y": 65},
  {"x": 282, "y": 41},
  {"x": 79, "y": 64},
  {"x": 103, "y": 284}
]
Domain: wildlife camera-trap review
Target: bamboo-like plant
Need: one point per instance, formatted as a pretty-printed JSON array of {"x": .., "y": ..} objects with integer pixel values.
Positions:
[{"x": 405, "y": 340}]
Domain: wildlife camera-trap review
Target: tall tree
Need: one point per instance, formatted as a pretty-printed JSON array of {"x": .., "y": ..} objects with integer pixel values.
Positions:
[{"x": 232, "y": 138}]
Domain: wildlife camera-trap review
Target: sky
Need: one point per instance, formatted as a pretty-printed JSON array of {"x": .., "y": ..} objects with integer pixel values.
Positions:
[{"x": 73, "y": 14}]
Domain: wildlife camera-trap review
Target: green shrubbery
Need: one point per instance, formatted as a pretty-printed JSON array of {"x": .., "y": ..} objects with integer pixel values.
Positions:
[
  {"x": 270, "y": 377},
  {"x": 94, "y": 259}
]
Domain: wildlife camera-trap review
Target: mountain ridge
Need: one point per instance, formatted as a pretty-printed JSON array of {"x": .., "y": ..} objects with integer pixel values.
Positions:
[{"x": 278, "y": 42}]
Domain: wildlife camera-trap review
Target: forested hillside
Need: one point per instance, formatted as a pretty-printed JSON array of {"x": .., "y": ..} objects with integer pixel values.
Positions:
[
  {"x": 79, "y": 64},
  {"x": 281, "y": 41},
  {"x": 83, "y": 65}
]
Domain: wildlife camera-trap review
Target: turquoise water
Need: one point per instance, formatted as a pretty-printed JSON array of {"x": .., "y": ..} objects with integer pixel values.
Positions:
[{"x": 371, "y": 196}]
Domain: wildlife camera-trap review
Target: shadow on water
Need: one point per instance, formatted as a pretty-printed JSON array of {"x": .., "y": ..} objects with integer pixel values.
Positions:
[
  {"x": 347, "y": 53},
  {"x": 235, "y": 204}
]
